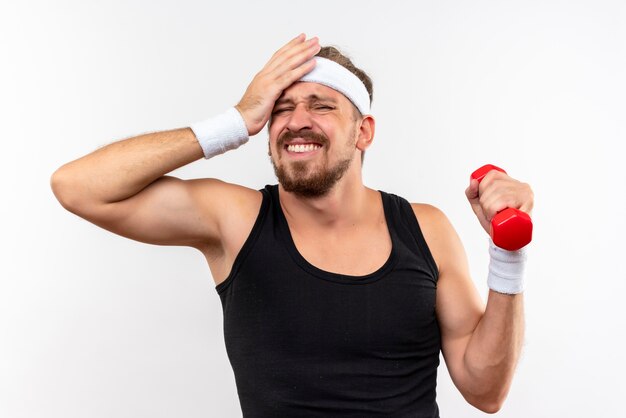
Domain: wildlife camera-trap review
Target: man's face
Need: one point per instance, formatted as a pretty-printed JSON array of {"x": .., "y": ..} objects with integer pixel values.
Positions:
[{"x": 313, "y": 133}]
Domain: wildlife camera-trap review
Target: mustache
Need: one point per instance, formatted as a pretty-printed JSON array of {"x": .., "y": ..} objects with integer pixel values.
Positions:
[{"x": 310, "y": 135}]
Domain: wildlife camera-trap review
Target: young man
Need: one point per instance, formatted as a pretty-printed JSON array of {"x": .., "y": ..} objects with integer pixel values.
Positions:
[{"x": 336, "y": 300}]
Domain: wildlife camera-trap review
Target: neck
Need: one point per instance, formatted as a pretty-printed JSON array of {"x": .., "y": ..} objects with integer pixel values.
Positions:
[{"x": 343, "y": 205}]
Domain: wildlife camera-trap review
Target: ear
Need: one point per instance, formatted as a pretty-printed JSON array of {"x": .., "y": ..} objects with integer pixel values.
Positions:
[{"x": 366, "y": 132}]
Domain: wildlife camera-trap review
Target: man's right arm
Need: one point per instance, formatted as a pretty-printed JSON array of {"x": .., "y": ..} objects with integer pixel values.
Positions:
[{"x": 122, "y": 187}]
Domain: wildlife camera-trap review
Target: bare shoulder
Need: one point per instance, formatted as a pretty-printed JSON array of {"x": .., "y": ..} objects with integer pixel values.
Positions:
[
  {"x": 458, "y": 304},
  {"x": 428, "y": 214},
  {"x": 233, "y": 210},
  {"x": 438, "y": 232},
  {"x": 228, "y": 196},
  {"x": 233, "y": 206}
]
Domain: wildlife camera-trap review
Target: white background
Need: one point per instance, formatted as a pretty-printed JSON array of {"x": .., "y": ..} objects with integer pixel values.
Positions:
[{"x": 95, "y": 325}]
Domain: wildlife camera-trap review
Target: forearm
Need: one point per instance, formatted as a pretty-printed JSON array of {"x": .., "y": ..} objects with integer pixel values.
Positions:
[
  {"x": 493, "y": 350},
  {"x": 122, "y": 169}
]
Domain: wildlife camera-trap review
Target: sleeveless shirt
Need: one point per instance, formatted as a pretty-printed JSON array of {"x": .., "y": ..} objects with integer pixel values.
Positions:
[{"x": 304, "y": 342}]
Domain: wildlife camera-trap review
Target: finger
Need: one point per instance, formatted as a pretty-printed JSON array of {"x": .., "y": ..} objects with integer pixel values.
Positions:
[
  {"x": 292, "y": 48},
  {"x": 294, "y": 43},
  {"x": 501, "y": 196},
  {"x": 292, "y": 58},
  {"x": 528, "y": 200},
  {"x": 286, "y": 75},
  {"x": 291, "y": 55},
  {"x": 472, "y": 190},
  {"x": 297, "y": 67},
  {"x": 303, "y": 56},
  {"x": 297, "y": 40},
  {"x": 297, "y": 73},
  {"x": 492, "y": 177},
  {"x": 277, "y": 82},
  {"x": 291, "y": 44},
  {"x": 495, "y": 205},
  {"x": 528, "y": 209}
]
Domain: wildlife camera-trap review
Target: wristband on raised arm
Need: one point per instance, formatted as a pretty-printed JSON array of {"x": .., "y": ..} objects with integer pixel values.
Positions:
[
  {"x": 506, "y": 270},
  {"x": 221, "y": 133}
]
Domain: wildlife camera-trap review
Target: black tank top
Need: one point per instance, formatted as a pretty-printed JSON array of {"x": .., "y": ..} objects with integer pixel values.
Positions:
[{"x": 304, "y": 342}]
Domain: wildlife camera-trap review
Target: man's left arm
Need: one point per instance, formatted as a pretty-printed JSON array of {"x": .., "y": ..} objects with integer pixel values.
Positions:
[{"x": 481, "y": 345}]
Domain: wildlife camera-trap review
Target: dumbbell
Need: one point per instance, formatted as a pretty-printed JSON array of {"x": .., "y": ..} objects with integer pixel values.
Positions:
[{"x": 511, "y": 229}]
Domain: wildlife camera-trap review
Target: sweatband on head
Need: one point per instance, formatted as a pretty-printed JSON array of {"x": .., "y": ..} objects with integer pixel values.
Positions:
[
  {"x": 339, "y": 78},
  {"x": 506, "y": 270},
  {"x": 221, "y": 133}
]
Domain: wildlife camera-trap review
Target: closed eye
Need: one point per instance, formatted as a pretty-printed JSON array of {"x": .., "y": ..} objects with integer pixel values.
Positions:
[{"x": 280, "y": 110}]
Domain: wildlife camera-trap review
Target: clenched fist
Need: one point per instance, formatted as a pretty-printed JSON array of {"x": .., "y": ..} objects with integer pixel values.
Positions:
[{"x": 496, "y": 192}]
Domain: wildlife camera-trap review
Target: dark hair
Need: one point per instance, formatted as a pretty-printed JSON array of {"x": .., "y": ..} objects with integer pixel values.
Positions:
[{"x": 333, "y": 54}]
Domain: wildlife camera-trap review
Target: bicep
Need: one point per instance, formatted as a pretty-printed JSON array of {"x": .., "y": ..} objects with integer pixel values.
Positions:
[
  {"x": 459, "y": 310},
  {"x": 169, "y": 211},
  {"x": 459, "y": 307}
]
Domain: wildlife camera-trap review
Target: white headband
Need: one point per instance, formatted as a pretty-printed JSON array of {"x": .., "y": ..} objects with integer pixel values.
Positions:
[{"x": 339, "y": 78}]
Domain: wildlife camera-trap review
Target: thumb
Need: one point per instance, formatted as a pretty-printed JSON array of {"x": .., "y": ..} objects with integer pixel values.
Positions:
[
  {"x": 472, "y": 195},
  {"x": 472, "y": 190}
]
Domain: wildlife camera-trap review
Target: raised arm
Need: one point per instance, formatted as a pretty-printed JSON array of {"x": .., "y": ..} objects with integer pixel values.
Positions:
[
  {"x": 481, "y": 345},
  {"x": 123, "y": 187}
]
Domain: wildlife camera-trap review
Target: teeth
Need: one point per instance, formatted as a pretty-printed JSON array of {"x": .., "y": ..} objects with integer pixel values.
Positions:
[{"x": 303, "y": 147}]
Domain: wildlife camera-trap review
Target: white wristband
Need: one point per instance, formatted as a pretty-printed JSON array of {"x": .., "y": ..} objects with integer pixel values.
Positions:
[
  {"x": 506, "y": 270},
  {"x": 221, "y": 133}
]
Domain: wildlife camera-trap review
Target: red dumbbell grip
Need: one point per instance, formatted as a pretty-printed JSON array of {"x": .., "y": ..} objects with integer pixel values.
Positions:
[{"x": 511, "y": 229}]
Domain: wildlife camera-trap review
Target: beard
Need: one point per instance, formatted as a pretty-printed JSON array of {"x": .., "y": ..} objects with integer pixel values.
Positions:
[{"x": 300, "y": 177}]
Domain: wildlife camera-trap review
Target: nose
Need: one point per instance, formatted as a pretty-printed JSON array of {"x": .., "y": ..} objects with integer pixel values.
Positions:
[{"x": 299, "y": 119}]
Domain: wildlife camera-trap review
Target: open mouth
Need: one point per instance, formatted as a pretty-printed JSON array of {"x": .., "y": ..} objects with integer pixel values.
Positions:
[{"x": 302, "y": 148}]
